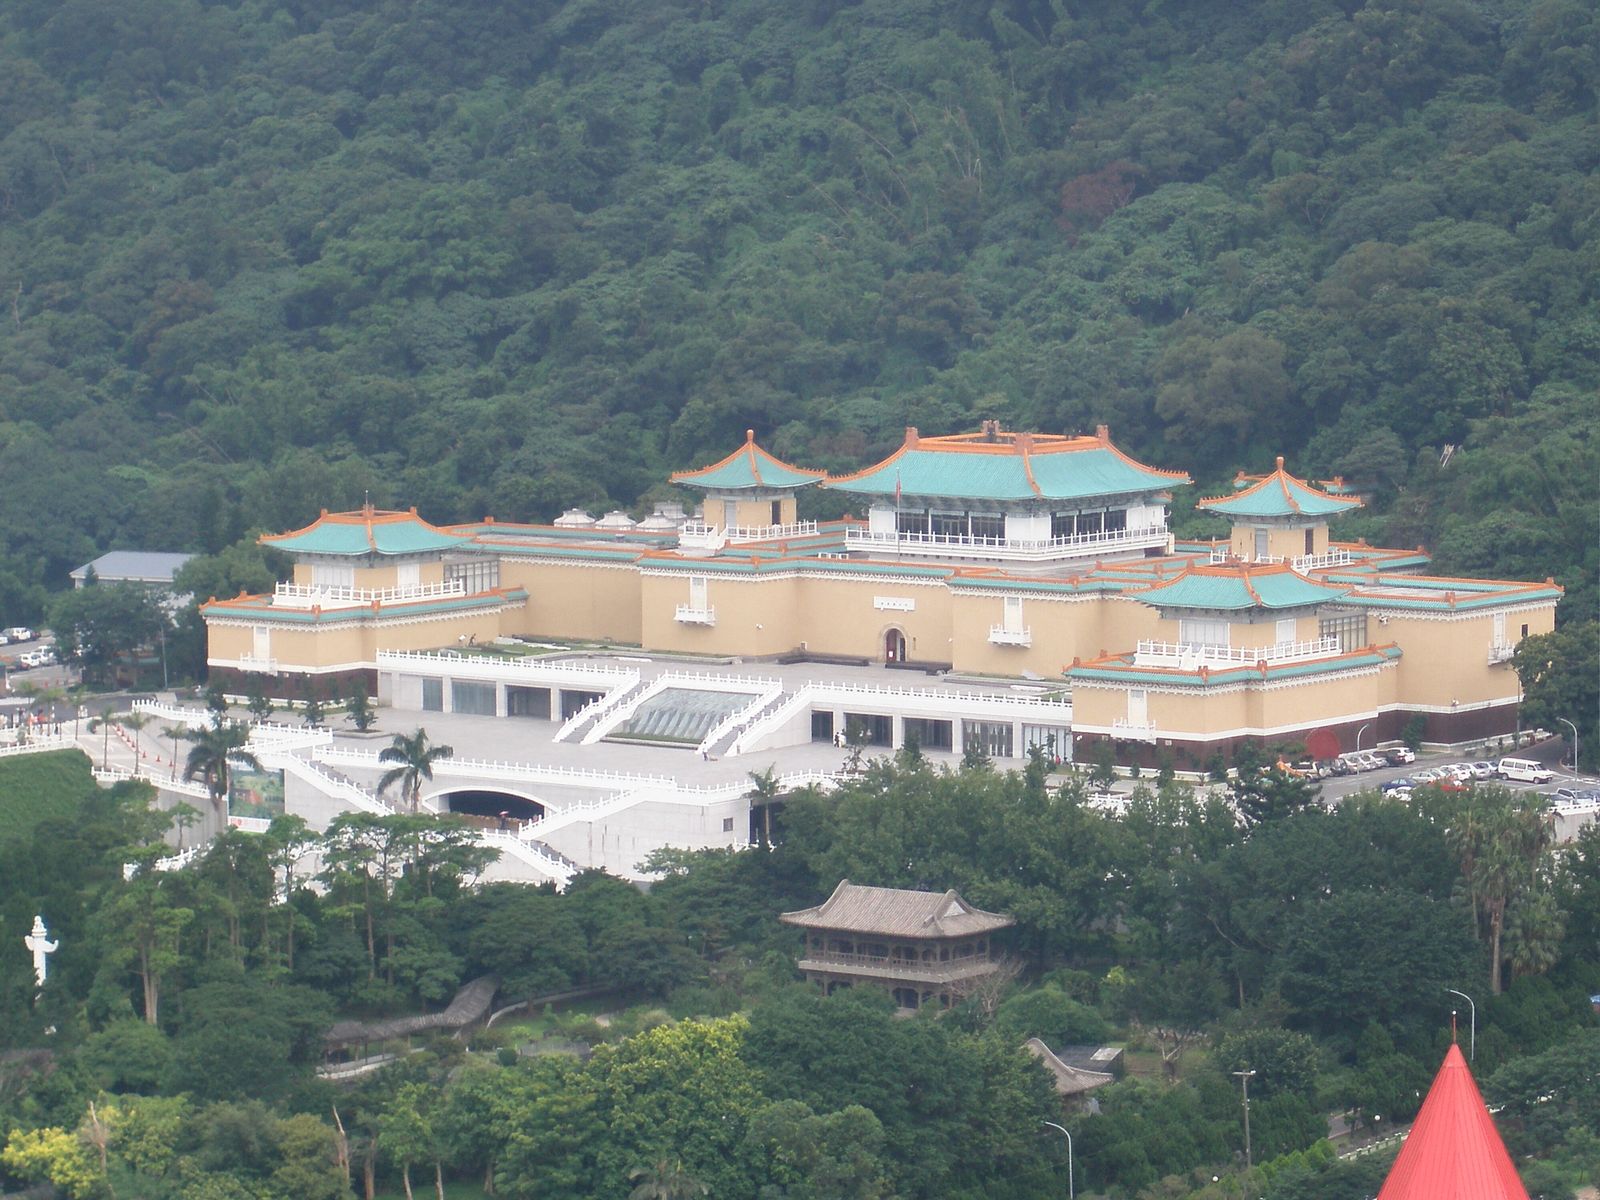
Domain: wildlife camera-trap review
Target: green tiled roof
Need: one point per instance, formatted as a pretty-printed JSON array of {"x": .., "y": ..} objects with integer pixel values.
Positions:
[
  {"x": 1235, "y": 589},
  {"x": 261, "y": 608},
  {"x": 1123, "y": 670},
  {"x": 748, "y": 467},
  {"x": 1073, "y": 475},
  {"x": 1279, "y": 495},
  {"x": 367, "y": 532}
]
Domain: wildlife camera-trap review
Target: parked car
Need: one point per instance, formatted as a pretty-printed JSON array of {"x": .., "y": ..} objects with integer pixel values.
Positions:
[
  {"x": 1524, "y": 770},
  {"x": 1428, "y": 775},
  {"x": 1370, "y": 761},
  {"x": 1400, "y": 756},
  {"x": 41, "y": 657},
  {"x": 17, "y": 633},
  {"x": 1482, "y": 770},
  {"x": 1396, "y": 785},
  {"x": 1338, "y": 766}
]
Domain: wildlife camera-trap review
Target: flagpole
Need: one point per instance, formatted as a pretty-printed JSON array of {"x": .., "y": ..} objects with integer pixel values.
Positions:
[{"x": 897, "y": 519}]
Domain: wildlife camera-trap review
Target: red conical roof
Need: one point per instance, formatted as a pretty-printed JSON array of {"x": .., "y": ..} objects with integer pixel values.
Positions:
[{"x": 1454, "y": 1151}]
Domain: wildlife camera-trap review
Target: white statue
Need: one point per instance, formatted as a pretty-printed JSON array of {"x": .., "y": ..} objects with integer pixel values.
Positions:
[{"x": 39, "y": 942}]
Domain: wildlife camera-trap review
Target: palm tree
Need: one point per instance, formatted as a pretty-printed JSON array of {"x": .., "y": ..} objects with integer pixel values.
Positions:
[
  {"x": 665, "y": 1181},
  {"x": 208, "y": 761},
  {"x": 416, "y": 758}
]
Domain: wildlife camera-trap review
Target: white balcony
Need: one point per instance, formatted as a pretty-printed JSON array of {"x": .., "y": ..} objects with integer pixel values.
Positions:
[
  {"x": 1001, "y": 635},
  {"x": 296, "y": 595},
  {"x": 697, "y": 535},
  {"x": 694, "y": 614},
  {"x": 1189, "y": 655},
  {"x": 1314, "y": 562},
  {"x": 1499, "y": 652},
  {"x": 261, "y": 666},
  {"x": 1010, "y": 550},
  {"x": 1134, "y": 731}
]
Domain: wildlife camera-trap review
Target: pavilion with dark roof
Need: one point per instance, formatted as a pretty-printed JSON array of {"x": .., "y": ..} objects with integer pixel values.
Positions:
[{"x": 921, "y": 947}]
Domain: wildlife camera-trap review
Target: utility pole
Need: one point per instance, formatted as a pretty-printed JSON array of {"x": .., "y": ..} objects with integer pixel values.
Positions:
[{"x": 1244, "y": 1090}]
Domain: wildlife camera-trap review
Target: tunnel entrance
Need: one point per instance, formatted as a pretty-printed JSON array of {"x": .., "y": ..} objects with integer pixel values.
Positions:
[{"x": 483, "y": 807}]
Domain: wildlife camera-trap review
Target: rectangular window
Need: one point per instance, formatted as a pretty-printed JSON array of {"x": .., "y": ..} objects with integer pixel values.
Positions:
[
  {"x": 1311, "y": 542},
  {"x": 1261, "y": 544},
  {"x": 1138, "y": 706},
  {"x": 1195, "y": 632},
  {"x": 988, "y": 525},
  {"x": 474, "y": 699},
  {"x": 1350, "y": 630},
  {"x": 949, "y": 524},
  {"x": 730, "y": 514},
  {"x": 1499, "y": 629},
  {"x": 333, "y": 575},
  {"x": 1013, "y": 616},
  {"x": 991, "y": 737},
  {"x": 914, "y": 521},
  {"x": 777, "y": 512},
  {"x": 1285, "y": 631},
  {"x": 1091, "y": 522},
  {"x": 1116, "y": 520},
  {"x": 1063, "y": 525},
  {"x": 261, "y": 642},
  {"x": 727, "y": 824},
  {"x": 1054, "y": 740},
  {"x": 480, "y": 575},
  {"x": 433, "y": 695},
  {"x": 697, "y": 591},
  {"x": 408, "y": 575},
  {"x": 930, "y": 733}
]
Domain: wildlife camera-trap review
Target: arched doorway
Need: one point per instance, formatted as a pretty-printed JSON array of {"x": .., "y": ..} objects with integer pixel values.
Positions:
[
  {"x": 492, "y": 809},
  {"x": 894, "y": 645}
]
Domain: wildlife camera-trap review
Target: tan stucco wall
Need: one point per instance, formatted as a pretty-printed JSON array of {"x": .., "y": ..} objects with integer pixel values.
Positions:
[
  {"x": 838, "y": 617},
  {"x": 308, "y": 647},
  {"x": 752, "y": 513},
  {"x": 1283, "y": 541},
  {"x": 383, "y": 575},
  {"x": 574, "y": 600},
  {"x": 756, "y": 616},
  {"x": 1447, "y": 661}
]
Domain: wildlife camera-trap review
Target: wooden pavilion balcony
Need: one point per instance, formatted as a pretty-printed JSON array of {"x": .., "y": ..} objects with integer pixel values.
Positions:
[
  {"x": 1006, "y": 549},
  {"x": 873, "y": 966}
]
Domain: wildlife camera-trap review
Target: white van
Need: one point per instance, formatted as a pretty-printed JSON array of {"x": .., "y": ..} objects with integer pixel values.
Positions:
[{"x": 1524, "y": 770}]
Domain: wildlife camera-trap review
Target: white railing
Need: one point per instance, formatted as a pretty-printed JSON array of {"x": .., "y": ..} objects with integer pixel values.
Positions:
[
  {"x": 702, "y": 681},
  {"x": 595, "y": 710},
  {"x": 824, "y": 690},
  {"x": 1004, "y": 635},
  {"x": 296, "y": 595},
  {"x": 250, "y": 824},
  {"x": 342, "y": 755},
  {"x": 172, "y": 862},
  {"x": 1313, "y": 562},
  {"x": 956, "y": 546},
  {"x": 695, "y": 614},
  {"x": 507, "y": 841},
  {"x": 1187, "y": 655},
  {"x": 740, "y": 716},
  {"x": 559, "y": 672},
  {"x": 340, "y": 789},
  {"x": 167, "y": 783},
  {"x": 192, "y": 718},
  {"x": 1134, "y": 731},
  {"x": 37, "y": 744},
  {"x": 253, "y": 665},
  {"x": 1500, "y": 652},
  {"x": 697, "y": 535}
]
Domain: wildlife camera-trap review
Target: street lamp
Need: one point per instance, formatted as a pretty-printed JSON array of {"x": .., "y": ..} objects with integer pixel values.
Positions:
[
  {"x": 1359, "y": 732},
  {"x": 1574, "y": 729},
  {"x": 1244, "y": 1088},
  {"x": 1472, "y": 1044},
  {"x": 1072, "y": 1191}
]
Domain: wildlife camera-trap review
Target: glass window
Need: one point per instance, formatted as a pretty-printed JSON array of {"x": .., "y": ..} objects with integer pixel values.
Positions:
[
  {"x": 1116, "y": 520},
  {"x": 1195, "y": 632},
  {"x": 915, "y": 521},
  {"x": 1063, "y": 525},
  {"x": 949, "y": 525},
  {"x": 481, "y": 575},
  {"x": 991, "y": 737},
  {"x": 433, "y": 695},
  {"x": 1350, "y": 629},
  {"x": 988, "y": 525},
  {"x": 474, "y": 699}
]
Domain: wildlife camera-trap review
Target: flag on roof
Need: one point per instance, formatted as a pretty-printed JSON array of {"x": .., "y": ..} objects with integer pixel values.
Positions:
[{"x": 1454, "y": 1151}]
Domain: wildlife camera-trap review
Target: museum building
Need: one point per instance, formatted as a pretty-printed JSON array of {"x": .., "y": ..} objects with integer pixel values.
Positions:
[{"x": 993, "y": 556}]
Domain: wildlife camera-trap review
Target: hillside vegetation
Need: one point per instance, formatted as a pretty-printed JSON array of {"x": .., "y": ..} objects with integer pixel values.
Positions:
[{"x": 260, "y": 258}]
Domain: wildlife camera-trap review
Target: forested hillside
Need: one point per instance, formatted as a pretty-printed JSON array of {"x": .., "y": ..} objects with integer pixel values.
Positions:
[{"x": 258, "y": 258}]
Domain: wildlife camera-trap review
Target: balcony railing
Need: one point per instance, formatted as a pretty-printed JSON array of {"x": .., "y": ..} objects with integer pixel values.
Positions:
[
  {"x": 1500, "y": 652},
  {"x": 1134, "y": 731},
  {"x": 896, "y": 968},
  {"x": 1002, "y": 635},
  {"x": 1188, "y": 655},
  {"x": 960, "y": 546},
  {"x": 695, "y": 614},
  {"x": 697, "y": 535},
  {"x": 298, "y": 595},
  {"x": 1313, "y": 562},
  {"x": 258, "y": 665}
]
